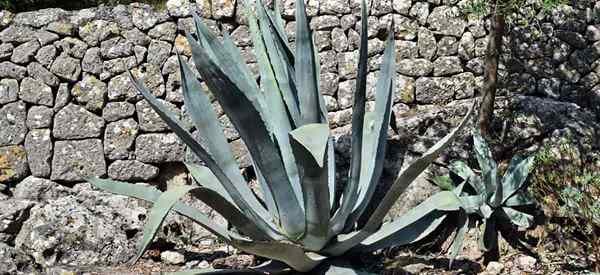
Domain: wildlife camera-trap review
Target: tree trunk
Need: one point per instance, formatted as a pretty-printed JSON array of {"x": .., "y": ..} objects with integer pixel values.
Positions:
[{"x": 492, "y": 57}]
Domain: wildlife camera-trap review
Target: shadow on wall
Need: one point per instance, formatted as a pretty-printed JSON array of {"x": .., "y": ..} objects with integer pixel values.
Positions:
[
  {"x": 31, "y": 5},
  {"x": 556, "y": 55}
]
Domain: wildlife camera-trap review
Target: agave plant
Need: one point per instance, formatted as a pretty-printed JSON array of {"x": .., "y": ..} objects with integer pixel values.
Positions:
[
  {"x": 488, "y": 197},
  {"x": 297, "y": 220}
]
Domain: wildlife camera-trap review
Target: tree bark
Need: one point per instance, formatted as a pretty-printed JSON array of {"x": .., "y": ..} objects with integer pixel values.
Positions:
[{"x": 494, "y": 47}]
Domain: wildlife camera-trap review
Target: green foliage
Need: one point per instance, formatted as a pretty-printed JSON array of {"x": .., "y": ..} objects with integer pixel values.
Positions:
[
  {"x": 301, "y": 222},
  {"x": 568, "y": 185}
]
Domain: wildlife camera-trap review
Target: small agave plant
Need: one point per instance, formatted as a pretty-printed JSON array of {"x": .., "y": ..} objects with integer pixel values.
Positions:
[
  {"x": 488, "y": 197},
  {"x": 298, "y": 221}
]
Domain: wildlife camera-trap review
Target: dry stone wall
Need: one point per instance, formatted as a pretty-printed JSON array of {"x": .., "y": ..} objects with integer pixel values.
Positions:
[{"x": 67, "y": 109}]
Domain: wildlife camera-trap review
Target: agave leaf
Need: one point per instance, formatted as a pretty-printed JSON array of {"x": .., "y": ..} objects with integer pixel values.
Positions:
[
  {"x": 199, "y": 151},
  {"x": 487, "y": 164},
  {"x": 205, "y": 178},
  {"x": 230, "y": 212},
  {"x": 515, "y": 175},
  {"x": 461, "y": 232},
  {"x": 150, "y": 194},
  {"x": 266, "y": 44},
  {"x": 459, "y": 189},
  {"x": 282, "y": 40},
  {"x": 489, "y": 240},
  {"x": 383, "y": 109},
  {"x": 464, "y": 171},
  {"x": 309, "y": 144},
  {"x": 270, "y": 267},
  {"x": 471, "y": 204},
  {"x": 306, "y": 75},
  {"x": 331, "y": 173},
  {"x": 206, "y": 121},
  {"x": 243, "y": 113},
  {"x": 518, "y": 218},
  {"x": 406, "y": 176},
  {"x": 158, "y": 213},
  {"x": 278, "y": 114},
  {"x": 291, "y": 254},
  {"x": 405, "y": 235},
  {"x": 519, "y": 199},
  {"x": 444, "y": 183},
  {"x": 350, "y": 193}
]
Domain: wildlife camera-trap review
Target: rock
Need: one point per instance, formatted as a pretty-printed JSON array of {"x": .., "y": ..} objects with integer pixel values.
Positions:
[
  {"x": 339, "y": 40},
  {"x": 115, "y": 48},
  {"x": 46, "y": 37},
  {"x": 182, "y": 46},
  {"x": 74, "y": 160},
  {"x": 234, "y": 262},
  {"x": 174, "y": 90},
  {"x": 72, "y": 47},
  {"x": 66, "y": 67},
  {"x": 440, "y": 90},
  {"x": 39, "y": 18},
  {"x": 156, "y": 148},
  {"x": 415, "y": 67},
  {"x": 526, "y": 263},
  {"x": 158, "y": 52},
  {"x": 466, "y": 46},
  {"x": 419, "y": 10},
  {"x": 447, "y": 65},
  {"x": 592, "y": 32},
  {"x": 334, "y": 7},
  {"x": 37, "y": 71},
  {"x": 149, "y": 120},
  {"x": 62, "y": 28},
  {"x": 347, "y": 21},
  {"x": 117, "y": 110},
  {"x": 6, "y": 51},
  {"x": 119, "y": 137},
  {"x": 11, "y": 70},
  {"x": 329, "y": 83},
  {"x": 476, "y": 65},
  {"x": 116, "y": 66},
  {"x": 46, "y": 55},
  {"x": 549, "y": 87},
  {"x": 494, "y": 268},
  {"x": 25, "y": 52},
  {"x": 11, "y": 259},
  {"x": 14, "y": 213},
  {"x": 13, "y": 163},
  {"x": 75, "y": 122},
  {"x": 137, "y": 37},
  {"x": 98, "y": 30},
  {"x": 9, "y": 91},
  {"x": 91, "y": 92},
  {"x": 92, "y": 61},
  {"x": 17, "y": 34},
  {"x": 140, "y": 54},
  {"x": 36, "y": 92},
  {"x": 324, "y": 22},
  {"x": 172, "y": 257},
  {"x": 347, "y": 64},
  {"x": 223, "y": 8},
  {"x": 165, "y": 31},
  {"x": 404, "y": 27},
  {"x": 12, "y": 123},
  {"x": 426, "y": 43},
  {"x": 179, "y": 8},
  {"x": 39, "y": 117},
  {"x": 96, "y": 234},
  {"x": 447, "y": 46},
  {"x": 417, "y": 268},
  {"x": 39, "y": 190},
  {"x": 447, "y": 20},
  {"x": 572, "y": 38},
  {"x": 132, "y": 170},
  {"x": 121, "y": 88},
  {"x": 62, "y": 97},
  {"x": 38, "y": 145}
]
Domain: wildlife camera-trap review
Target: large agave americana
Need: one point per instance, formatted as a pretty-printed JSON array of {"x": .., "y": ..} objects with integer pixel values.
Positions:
[{"x": 300, "y": 222}]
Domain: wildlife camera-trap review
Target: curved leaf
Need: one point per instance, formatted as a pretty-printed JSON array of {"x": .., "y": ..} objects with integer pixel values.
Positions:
[
  {"x": 201, "y": 153},
  {"x": 515, "y": 175},
  {"x": 464, "y": 171},
  {"x": 158, "y": 213},
  {"x": 243, "y": 113},
  {"x": 488, "y": 166},
  {"x": 461, "y": 232},
  {"x": 518, "y": 218},
  {"x": 519, "y": 199},
  {"x": 270, "y": 267},
  {"x": 406, "y": 176},
  {"x": 291, "y": 254},
  {"x": 306, "y": 75},
  {"x": 489, "y": 240},
  {"x": 309, "y": 144},
  {"x": 150, "y": 194},
  {"x": 205, "y": 178}
]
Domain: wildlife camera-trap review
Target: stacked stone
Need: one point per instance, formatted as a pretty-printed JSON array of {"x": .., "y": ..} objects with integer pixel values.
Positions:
[{"x": 68, "y": 109}]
